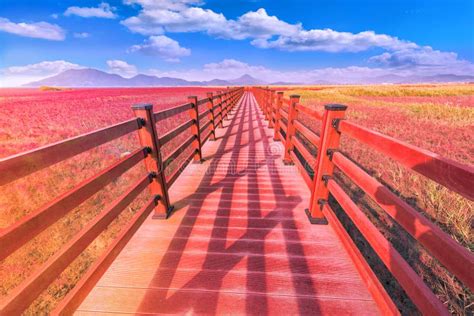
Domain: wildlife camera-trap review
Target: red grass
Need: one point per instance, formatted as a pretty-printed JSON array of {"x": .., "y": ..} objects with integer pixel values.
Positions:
[{"x": 30, "y": 118}]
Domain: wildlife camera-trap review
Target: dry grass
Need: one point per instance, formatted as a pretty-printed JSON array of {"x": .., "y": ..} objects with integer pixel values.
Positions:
[
  {"x": 439, "y": 118},
  {"x": 31, "y": 118}
]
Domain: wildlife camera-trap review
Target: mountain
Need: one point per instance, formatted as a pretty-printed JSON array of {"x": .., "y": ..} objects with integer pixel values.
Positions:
[
  {"x": 246, "y": 80},
  {"x": 89, "y": 77},
  {"x": 82, "y": 78}
]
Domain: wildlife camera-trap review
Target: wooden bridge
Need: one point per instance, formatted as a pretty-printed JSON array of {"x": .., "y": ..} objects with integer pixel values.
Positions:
[{"x": 247, "y": 228}]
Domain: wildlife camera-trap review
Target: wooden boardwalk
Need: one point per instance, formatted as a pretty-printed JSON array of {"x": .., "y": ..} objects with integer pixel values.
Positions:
[{"x": 239, "y": 241}]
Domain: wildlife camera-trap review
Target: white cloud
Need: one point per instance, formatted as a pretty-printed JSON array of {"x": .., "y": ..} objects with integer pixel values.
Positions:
[
  {"x": 269, "y": 32},
  {"x": 164, "y": 4},
  {"x": 18, "y": 75},
  {"x": 104, "y": 10},
  {"x": 43, "y": 30},
  {"x": 122, "y": 68},
  {"x": 162, "y": 46},
  {"x": 181, "y": 16},
  {"x": 332, "y": 41},
  {"x": 231, "y": 68},
  {"x": 81, "y": 35},
  {"x": 157, "y": 21},
  {"x": 44, "y": 68}
]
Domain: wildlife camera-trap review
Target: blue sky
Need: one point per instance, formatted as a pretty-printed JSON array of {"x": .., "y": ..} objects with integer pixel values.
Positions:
[{"x": 298, "y": 41}]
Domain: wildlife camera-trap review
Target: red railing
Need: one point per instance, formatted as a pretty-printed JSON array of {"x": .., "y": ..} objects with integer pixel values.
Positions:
[
  {"x": 15, "y": 167},
  {"x": 317, "y": 171}
]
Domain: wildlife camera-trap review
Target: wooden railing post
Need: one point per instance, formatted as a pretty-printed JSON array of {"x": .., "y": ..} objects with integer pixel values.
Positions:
[
  {"x": 279, "y": 102},
  {"x": 329, "y": 142},
  {"x": 194, "y": 114},
  {"x": 219, "y": 104},
  {"x": 149, "y": 138},
  {"x": 271, "y": 108},
  {"x": 294, "y": 99},
  {"x": 265, "y": 103},
  {"x": 210, "y": 106}
]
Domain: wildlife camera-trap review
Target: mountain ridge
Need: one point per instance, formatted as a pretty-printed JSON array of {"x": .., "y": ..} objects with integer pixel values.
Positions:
[{"x": 89, "y": 77}]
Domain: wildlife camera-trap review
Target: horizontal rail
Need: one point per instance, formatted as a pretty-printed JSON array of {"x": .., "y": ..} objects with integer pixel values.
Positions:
[
  {"x": 22, "y": 296},
  {"x": 179, "y": 170},
  {"x": 203, "y": 114},
  {"x": 307, "y": 156},
  {"x": 203, "y": 128},
  {"x": 307, "y": 133},
  {"x": 378, "y": 292},
  {"x": 180, "y": 149},
  {"x": 175, "y": 132},
  {"x": 202, "y": 101},
  {"x": 32, "y": 224},
  {"x": 164, "y": 114},
  {"x": 451, "y": 174},
  {"x": 451, "y": 254},
  {"x": 23, "y": 164},
  {"x": 283, "y": 113},
  {"x": 313, "y": 113},
  {"x": 284, "y": 127},
  {"x": 80, "y": 291},
  {"x": 302, "y": 169},
  {"x": 206, "y": 137},
  {"x": 413, "y": 285}
]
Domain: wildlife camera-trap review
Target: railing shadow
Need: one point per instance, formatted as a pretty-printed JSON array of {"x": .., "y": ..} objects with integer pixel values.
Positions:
[{"x": 201, "y": 293}]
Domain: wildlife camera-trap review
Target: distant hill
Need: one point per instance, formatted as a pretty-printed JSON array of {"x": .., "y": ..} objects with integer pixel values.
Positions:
[
  {"x": 95, "y": 78},
  {"x": 89, "y": 77},
  {"x": 246, "y": 80}
]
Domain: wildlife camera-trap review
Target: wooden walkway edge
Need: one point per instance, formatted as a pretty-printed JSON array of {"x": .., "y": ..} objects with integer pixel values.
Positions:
[{"x": 239, "y": 241}]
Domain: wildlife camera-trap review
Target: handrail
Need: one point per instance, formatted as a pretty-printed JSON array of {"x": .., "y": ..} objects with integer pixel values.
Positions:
[
  {"x": 28, "y": 227},
  {"x": 416, "y": 289},
  {"x": 459, "y": 260},
  {"x": 453, "y": 175},
  {"x": 27, "y": 291},
  {"x": 23, "y": 164},
  {"x": 175, "y": 132},
  {"x": 31, "y": 225}
]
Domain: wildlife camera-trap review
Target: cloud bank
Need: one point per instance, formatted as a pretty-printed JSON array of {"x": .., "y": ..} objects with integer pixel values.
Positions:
[
  {"x": 266, "y": 31},
  {"x": 104, "y": 11},
  {"x": 42, "y": 30}
]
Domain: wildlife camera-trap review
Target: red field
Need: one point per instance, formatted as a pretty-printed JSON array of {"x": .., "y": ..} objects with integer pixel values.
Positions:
[
  {"x": 438, "y": 118},
  {"x": 30, "y": 118}
]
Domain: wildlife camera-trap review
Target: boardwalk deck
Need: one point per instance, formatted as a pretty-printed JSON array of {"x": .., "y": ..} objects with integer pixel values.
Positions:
[{"x": 239, "y": 241}]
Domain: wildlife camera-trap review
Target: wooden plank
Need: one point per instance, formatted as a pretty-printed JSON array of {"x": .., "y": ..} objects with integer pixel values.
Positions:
[
  {"x": 23, "y": 164},
  {"x": 75, "y": 297},
  {"x": 164, "y": 114},
  {"x": 34, "y": 223},
  {"x": 457, "y": 259},
  {"x": 23, "y": 295},
  {"x": 307, "y": 179},
  {"x": 175, "y": 132},
  {"x": 238, "y": 240},
  {"x": 377, "y": 290},
  {"x": 449, "y": 173},
  {"x": 306, "y": 110},
  {"x": 179, "y": 170},
  {"x": 175, "y": 153},
  {"x": 307, "y": 133},
  {"x": 424, "y": 299}
]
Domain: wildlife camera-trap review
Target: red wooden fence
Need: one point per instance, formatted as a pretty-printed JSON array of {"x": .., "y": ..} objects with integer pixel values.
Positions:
[
  {"x": 455, "y": 176},
  {"x": 28, "y": 227}
]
